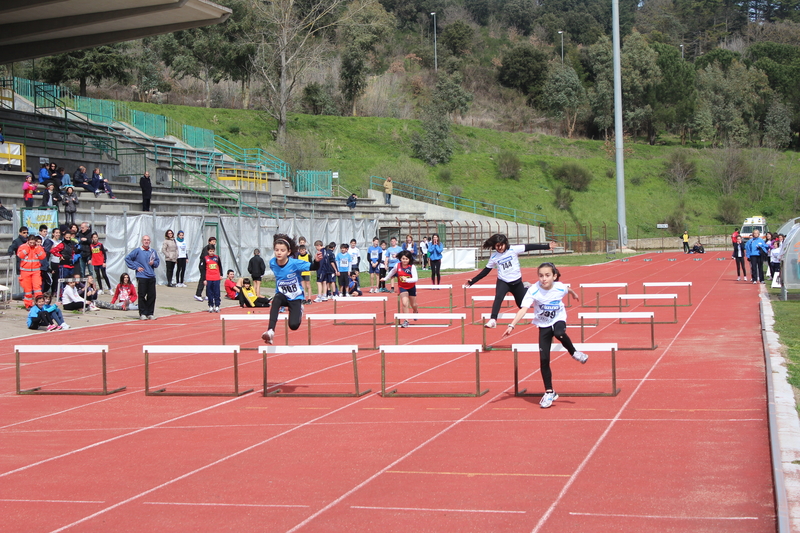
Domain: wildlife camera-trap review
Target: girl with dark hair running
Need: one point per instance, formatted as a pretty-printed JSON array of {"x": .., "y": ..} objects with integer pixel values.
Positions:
[
  {"x": 288, "y": 284},
  {"x": 406, "y": 272},
  {"x": 550, "y": 315},
  {"x": 435, "y": 249},
  {"x": 509, "y": 277}
]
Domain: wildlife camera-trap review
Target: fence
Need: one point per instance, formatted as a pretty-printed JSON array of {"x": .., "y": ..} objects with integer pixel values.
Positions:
[{"x": 313, "y": 182}]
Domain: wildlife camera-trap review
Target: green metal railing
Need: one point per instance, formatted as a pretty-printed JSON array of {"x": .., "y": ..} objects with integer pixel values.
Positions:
[
  {"x": 313, "y": 182},
  {"x": 59, "y": 139},
  {"x": 457, "y": 202},
  {"x": 264, "y": 160}
]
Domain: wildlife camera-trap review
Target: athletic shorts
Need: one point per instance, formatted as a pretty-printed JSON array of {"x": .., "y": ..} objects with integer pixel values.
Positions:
[
  {"x": 374, "y": 270},
  {"x": 257, "y": 278},
  {"x": 331, "y": 277},
  {"x": 322, "y": 276},
  {"x": 411, "y": 292},
  {"x": 305, "y": 278}
]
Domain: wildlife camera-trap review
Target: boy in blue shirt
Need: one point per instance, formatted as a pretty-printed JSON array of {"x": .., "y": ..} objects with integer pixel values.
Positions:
[
  {"x": 392, "y": 260},
  {"x": 354, "y": 288},
  {"x": 343, "y": 260},
  {"x": 374, "y": 255}
]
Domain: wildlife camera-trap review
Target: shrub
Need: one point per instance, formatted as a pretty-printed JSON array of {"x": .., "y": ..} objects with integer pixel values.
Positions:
[
  {"x": 455, "y": 190},
  {"x": 508, "y": 164},
  {"x": 574, "y": 176},
  {"x": 445, "y": 174},
  {"x": 563, "y": 199},
  {"x": 677, "y": 221},
  {"x": 680, "y": 170},
  {"x": 729, "y": 210}
]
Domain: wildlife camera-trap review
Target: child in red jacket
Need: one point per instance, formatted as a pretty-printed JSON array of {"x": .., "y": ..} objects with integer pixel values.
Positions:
[{"x": 125, "y": 293}]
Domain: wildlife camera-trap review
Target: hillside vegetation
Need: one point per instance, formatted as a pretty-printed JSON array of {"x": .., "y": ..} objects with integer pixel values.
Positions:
[{"x": 763, "y": 181}]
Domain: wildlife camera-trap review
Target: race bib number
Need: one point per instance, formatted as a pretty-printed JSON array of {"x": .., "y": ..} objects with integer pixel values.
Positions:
[
  {"x": 291, "y": 289},
  {"x": 344, "y": 263},
  {"x": 504, "y": 265},
  {"x": 374, "y": 256},
  {"x": 548, "y": 312},
  {"x": 212, "y": 266}
]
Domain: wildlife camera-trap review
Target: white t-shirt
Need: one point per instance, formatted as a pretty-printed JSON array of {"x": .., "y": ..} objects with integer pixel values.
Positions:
[
  {"x": 507, "y": 263},
  {"x": 355, "y": 256},
  {"x": 775, "y": 255},
  {"x": 547, "y": 306}
]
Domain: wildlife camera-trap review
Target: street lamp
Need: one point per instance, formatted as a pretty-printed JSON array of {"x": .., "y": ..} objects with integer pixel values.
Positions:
[
  {"x": 562, "y": 46},
  {"x": 435, "y": 58},
  {"x": 681, "y": 51}
]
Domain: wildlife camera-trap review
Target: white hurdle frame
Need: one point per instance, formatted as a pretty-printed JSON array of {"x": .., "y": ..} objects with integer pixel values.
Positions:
[
  {"x": 64, "y": 348},
  {"x": 398, "y": 317},
  {"x": 485, "y": 286},
  {"x": 245, "y": 318},
  {"x": 302, "y": 350},
  {"x": 687, "y": 284},
  {"x": 620, "y": 316},
  {"x": 501, "y": 316},
  {"x": 506, "y": 298},
  {"x": 345, "y": 316},
  {"x": 581, "y": 347},
  {"x": 657, "y": 296},
  {"x": 600, "y": 286},
  {"x": 432, "y": 348},
  {"x": 383, "y": 299},
  {"x": 190, "y": 349},
  {"x": 433, "y": 287}
]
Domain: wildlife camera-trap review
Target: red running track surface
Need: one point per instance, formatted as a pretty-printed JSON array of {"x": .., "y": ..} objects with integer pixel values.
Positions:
[{"x": 684, "y": 447}]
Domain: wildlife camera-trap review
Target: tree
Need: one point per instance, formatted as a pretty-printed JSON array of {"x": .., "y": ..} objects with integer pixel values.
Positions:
[
  {"x": 434, "y": 146},
  {"x": 317, "y": 100},
  {"x": 675, "y": 95},
  {"x": 457, "y": 37},
  {"x": 524, "y": 68},
  {"x": 290, "y": 39},
  {"x": 640, "y": 75},
  {"x": 563, "y": 96},
  {"x": 451, "y": 95},
  {"x": 778, "y": 126},
  {"x": 95, "y": 64},
  {"x": 147, "y": 70}
]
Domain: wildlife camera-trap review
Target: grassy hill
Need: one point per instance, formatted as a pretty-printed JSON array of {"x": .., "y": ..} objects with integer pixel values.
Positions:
[{"x": 360, "y": 147}]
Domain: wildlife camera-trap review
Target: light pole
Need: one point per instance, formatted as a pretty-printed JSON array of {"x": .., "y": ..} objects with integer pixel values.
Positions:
[
  {"x": 562, "y": 46},
  {"x": 435, "y": 58},
  {"x": 681, "y": 51}
]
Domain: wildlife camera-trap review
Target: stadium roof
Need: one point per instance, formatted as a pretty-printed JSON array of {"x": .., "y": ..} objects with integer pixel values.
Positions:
[{"x": 37, "y": 28}]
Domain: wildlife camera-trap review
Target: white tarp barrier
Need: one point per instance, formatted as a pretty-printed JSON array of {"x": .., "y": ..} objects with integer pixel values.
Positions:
[
  {"x": 460, "y": 258},
  {"x": 237, "y": 237},
  {"x": 9, "y": 149}
]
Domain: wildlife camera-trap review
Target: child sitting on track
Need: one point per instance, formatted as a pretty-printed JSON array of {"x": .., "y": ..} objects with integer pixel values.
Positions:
[
  {"x": 550, "y": 315},
  {"x": 354, "y": 288},
  {"x": 125, "y": 292},
  {"x": 406, "y": 272},
  {"x": 38, "y": 317},
  {"x": 55, "y": 312},
  {"x": 288, "y": 286},
  {"x": 248, "y": 297}
]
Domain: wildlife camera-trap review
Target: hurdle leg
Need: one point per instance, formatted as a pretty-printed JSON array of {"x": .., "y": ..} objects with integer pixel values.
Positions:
[
  {"x": 223, "y": 331},
  {"x": 264, "y": 373},
  {"x": 516, "y": 375},
  {"x": 396, "y": 331},
  {"x": 451, "y": 299},
  {"x": 374, "y": 334},
  {"x": 236, "y": 375},
  {"x": 653, "y": 333},
  {"x": 462, "y": 331},
  {"x": 384, "y": 315},
  {"x": 106, "y": 392},
  {"x": 675, "y": 310},
  {"x": 614, "y": 389},
  {"x": 478, "y": 391},
  {"x": 308, "y": 323},
  {"x": 358, "y": 393},
  {"x": 582, "y": 329}
]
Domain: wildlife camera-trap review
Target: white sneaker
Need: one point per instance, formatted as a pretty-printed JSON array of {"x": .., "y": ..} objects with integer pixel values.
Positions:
[
  {"x": 745, "y": 278},
  {"x": 205, "y": 298},
  {"x": 318, "y": 300},
  {"x": 580, "y": 357},
  {"x": 100, "y": 292},
  {"x": 492, "y": 323},
  {"x": 216, "y": 309},
  {"x": 198, "y": 298},
  {"x": 268, "y": 336},
  {"x": 64, "y": 326},
  {"x": 738, "y": 278},
  {"x": 210, "y": 309},
  {"x": 548, "y": 399},
  {"x": 404, "y": 324}
]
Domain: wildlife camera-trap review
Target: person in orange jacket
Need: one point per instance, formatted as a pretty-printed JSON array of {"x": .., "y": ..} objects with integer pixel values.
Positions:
[{"x": 30, "y": 278}]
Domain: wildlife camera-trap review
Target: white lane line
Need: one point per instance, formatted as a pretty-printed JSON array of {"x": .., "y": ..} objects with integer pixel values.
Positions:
[
  {"x": 546, "y": 516},
  {"x": 190, "y": 504},
  {"x": 426, "y": 510},
  {"x": 667, "y": 517},
  {"x": 46, "y": 501}
]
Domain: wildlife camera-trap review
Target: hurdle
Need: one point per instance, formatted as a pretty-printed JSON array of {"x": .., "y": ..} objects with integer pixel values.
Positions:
[
  {"x": 658, "y": 296},
  {"x": 351, "y": 316},
  {"x": 327, "y": 349},
  {"x": 687, "y": 284},
  {"x": 433, "y": 287},
  {"x": 262, "y": 318},
  {"x": 601, "y": 286},
  {"x": 581, "y": 347},
  {"x": 620, "y": 316},
  {"x": 383, "y": 299},
  {"x": 477, "y": 286},
  {"x": 191, "y": 349},
  {"x": 506, "y": 298},
  {"x": 433, "y": 348},
  {"x": 501, "y": 316},
  {"x": 65, "y": 348},
  {"x": 398, "y": 317}
]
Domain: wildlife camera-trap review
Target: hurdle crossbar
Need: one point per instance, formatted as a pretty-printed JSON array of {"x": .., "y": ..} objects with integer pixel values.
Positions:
[
  {"x": 359, "y": 299},
  {"x": 687, "y": 284},
  {"x": 398, "y": 317},
  {"x": 303, "y": 350},
  {"x": 240, "y": 318},
  {"x": 621, "y": 316},
  {"x": 432, "y": 348},
  {"x": 502, "y": 316},
  {"x": 507, "y": 298},
  {"x": 61, "y": 349},
  {"x": 434, "y": 287},
  {"x": 581, "y": 347},
  {"x": 476, "y": 286},
  {"x": 192, "y": 349},
  {"x": 600, "y": 286},
  {"x": 657, "y": 296},
  {"x": 352, "y": 316}
]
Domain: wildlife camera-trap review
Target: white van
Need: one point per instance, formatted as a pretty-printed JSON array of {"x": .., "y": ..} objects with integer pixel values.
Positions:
[{"x": 753, "y": 223}]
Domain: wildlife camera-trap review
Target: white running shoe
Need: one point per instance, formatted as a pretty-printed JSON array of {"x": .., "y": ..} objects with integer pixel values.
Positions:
[
  {"x": 64, "y": 326},
  {"x": 404, "y": 324},
  {"x": 216, "y": 309},
  {"x": 198, "y": 298},
  {"x": 745, "y": 278},
  {"x": 100, "y": 292},
  {"x": 548, "y": 399},
  {"x": 210, "y": 309},
  {"x": 739, "y": 278},
  {"x": 580, "y": 357},
  {"x": 318, "y": 300},
  {"x": 492, "y": 323},
  {"x": 268, "y": 336}
]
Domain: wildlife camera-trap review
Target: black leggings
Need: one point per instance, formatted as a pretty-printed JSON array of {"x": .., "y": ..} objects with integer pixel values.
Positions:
[
  {"x": 295, "y": 311},
  {"x": 559, "y": 331},
  {"x": 170, "y": 270},
  {"x": 73, "y": 306},
  {"x": 515, "y": 287},
  {"x": 181, "y": 270},
  {"x": 740, "y": 263},
  {"x": 436, "y": 271},
  {"x": 100, "y": 273}
]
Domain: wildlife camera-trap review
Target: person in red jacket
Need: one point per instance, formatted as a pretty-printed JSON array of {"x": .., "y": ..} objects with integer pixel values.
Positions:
[
  {"x": 99, "y": 258},
  {"x": 30, "y": 263},
  {"x": 213, "y": 268},
  {"x": 125, "y": 293}
]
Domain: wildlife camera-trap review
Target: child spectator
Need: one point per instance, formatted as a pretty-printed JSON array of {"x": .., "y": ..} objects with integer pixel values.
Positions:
[
  {"x": 64, "y": 251},
  {"x": 354, "y": 287},
  {"x": 374, "y": 255},
  {"x": 382, "y": 268},
  {"x": 55, "y": 313},
  {"x": 71, "y": 202},
  {"x": 27, "y": 190},
  {"x": 256, "y": 268},
  {"x": 125, "y": 293},
  {"x": 248, "y": 296},
  {"x": 303, "y": 255},
  {"x": 333, "y": 288},
  {"x": 423, "y": 250},
  {"x": 99, "y": 259},
  {"x": 38, "y": 317},
  {"x": 70, "y": 299},
  {"x": 231, "y": 288},
  {"x": 355, "y": 256},
  {"x": 213, "y": 267},
  {"x": 183, "y": 255},
  {"x": 343, "y": 264},
  {"x": 87, "y": 291},
  {"x": 322, "y": 272},
  {"x": 392, "y": 255}
]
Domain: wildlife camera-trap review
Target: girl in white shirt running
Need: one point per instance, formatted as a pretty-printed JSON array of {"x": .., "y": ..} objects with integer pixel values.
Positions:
[
  {"x": 505, "y": 258},
  {"x": 550, "y": 315}
]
